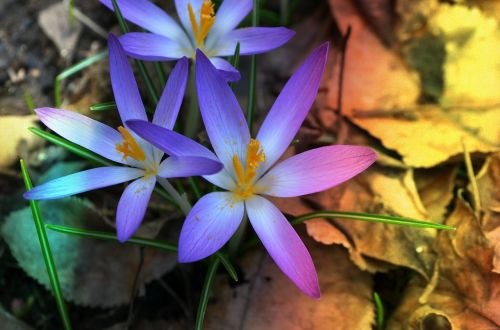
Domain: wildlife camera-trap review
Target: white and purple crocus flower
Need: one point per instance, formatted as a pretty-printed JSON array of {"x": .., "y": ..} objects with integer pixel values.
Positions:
[
  {"x": 250, "y": 170},
  {"x": 201, "y": 28},
  {"x": 140, "y": 161}
]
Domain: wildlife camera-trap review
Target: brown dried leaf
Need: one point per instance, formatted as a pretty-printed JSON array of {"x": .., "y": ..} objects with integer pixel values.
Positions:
[
  {"x": 268, "y": 300},
  {"x": 380, "y": 95},
  {"x": 16, "y": 138},
  {"x": 373, "y": 246},
  {"x": 488, "y": 181},
  {"x": 467, "y": 294},
  {"x": 435, "y": 188}
]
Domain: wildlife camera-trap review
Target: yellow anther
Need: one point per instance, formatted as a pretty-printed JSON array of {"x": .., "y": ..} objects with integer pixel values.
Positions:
[
  {"x": 207, "y": 19},
  {"x": 246, "y": 175},
  {"x": 129, "y": 146}
]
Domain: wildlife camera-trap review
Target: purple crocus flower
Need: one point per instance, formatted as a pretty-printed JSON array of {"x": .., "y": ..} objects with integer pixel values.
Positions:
[
  {"x": 141, "y": 161},
  {"x": 215, "y": 34},
  {"x": 250, "y": 171}
]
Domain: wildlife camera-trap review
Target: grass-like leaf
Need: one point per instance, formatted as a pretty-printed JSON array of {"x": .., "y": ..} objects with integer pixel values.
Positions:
[
  {"x": 72, "y": 70},
  {"x": 140, "y": 64},
  {"x": 205, "y": 294},
  {"x": 72, "y": 147},
  {"x": 145, "y": 242},
  {"x": 379, "y": 308},
  {"x": 253, "y": 72},
  {"x": 103, "y": 106},
  {"x": 29, "y": 101},
  {"x": 370, "y": 218},
  {"x": 235, "y": 62},
  {"x": 46, "y": 252}
]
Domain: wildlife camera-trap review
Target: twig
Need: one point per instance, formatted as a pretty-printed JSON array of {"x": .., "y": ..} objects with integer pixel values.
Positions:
[
  {"x": 135, "y": 289},
  {"x": 472, "y": 179}
]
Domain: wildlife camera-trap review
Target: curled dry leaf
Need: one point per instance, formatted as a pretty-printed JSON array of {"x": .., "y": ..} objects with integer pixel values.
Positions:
[
  {"x": 268, "y": 300},
  {"x": 488, "y": 181},
  {"x": 381, "y": 94},
  {"x": 373, "y": 246},
  {"x": 467, "y": 293},
  {"x": 435, "y": 187}
]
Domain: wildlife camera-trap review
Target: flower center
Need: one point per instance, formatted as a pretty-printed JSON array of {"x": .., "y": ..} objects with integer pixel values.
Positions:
[
  {"x": 207, "y": 18},
  {"x": 245, "y": 175},
  {"x": 129, "y": 146}
]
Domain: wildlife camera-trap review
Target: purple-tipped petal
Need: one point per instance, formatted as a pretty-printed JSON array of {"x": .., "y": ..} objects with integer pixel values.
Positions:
[
  {"x": 291, "y": 107},
  {"x": 132, "y": 206},
  {"x": 83, "y": 181},
  {"x": 84, "y": 131},
  {"x": 182, "y": 11},
  {"x": 209, "y": 225},
  {"x": 224, "y": 121},
  {"x": 127, "y": 97},
  {"x": 253, "y": 40},
  {"x": 151, "y": 47},
  {"x": 283, "y": 244},
  {"x": 148, "y": 16},
  {"x": 171, "y": 99},
  {"x": 186, "y": 166},
  {"x": 229, "y": 15},
  {"x": 316, "y": 170},
  {"x": 225, "y": 69},
  {"x": 173, "y": 143}
]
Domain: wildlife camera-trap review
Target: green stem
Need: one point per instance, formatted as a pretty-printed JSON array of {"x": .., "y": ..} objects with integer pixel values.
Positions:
[
  {"x": 253, "y": 72},
  {"x": 160, "y": 72},
  {"x": 193, "y": 113},
  {"x": 205, "y": 294},
  {"x": 47, "y": 252},
  {"x": 179, "y": 200}
]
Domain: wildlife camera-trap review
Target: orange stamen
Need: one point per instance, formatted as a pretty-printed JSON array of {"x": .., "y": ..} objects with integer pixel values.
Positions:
[
  {"x": 129, "y": 146},
  {"x": 207, "y": 19},
  {"x": 246, "y": 175}
]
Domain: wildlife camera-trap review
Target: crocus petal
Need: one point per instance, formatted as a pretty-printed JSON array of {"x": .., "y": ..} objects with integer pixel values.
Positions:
[
  {"x": 291, "y": 107},
  {"x": 283, "y": 244},
  {"x": 176, "y": 144},
  {"x": 132, "y": 206},
  {"x": 151, "y": 47},
  {"x": 229, "y": 15},
  {"x": 186, "y": 166},
  {"x": 148, "y": 16},
  {"x": 84, "y": 131},
  {"x": 171, "y": 99},
  {"x": 224, "y": 121},
  {"x": 83, "y": 181},
  {"x": 183, "y": 13},
  {"x": 127, "y": 97},
  {"x": 253, "y": 40},
  {"x": 209, "y": 225},
  {"x": 316, "y": 170},
  {"x": 225, "y": 69}
]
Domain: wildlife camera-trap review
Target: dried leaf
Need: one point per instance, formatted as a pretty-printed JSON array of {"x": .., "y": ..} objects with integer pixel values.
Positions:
[
  {"x": 467, "y": 294},
  {"x": 488, "y": 181},
  {"x": 381, "y": 96},
  {"x": 373, "y": 246},
  {"x": 57, "y": 25},
  {"x": 268, "y": 300},
  {"x": 92, "y": 272},
  {"x": 16, "y": 138},
  {"x": 435, "y": 188}
]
